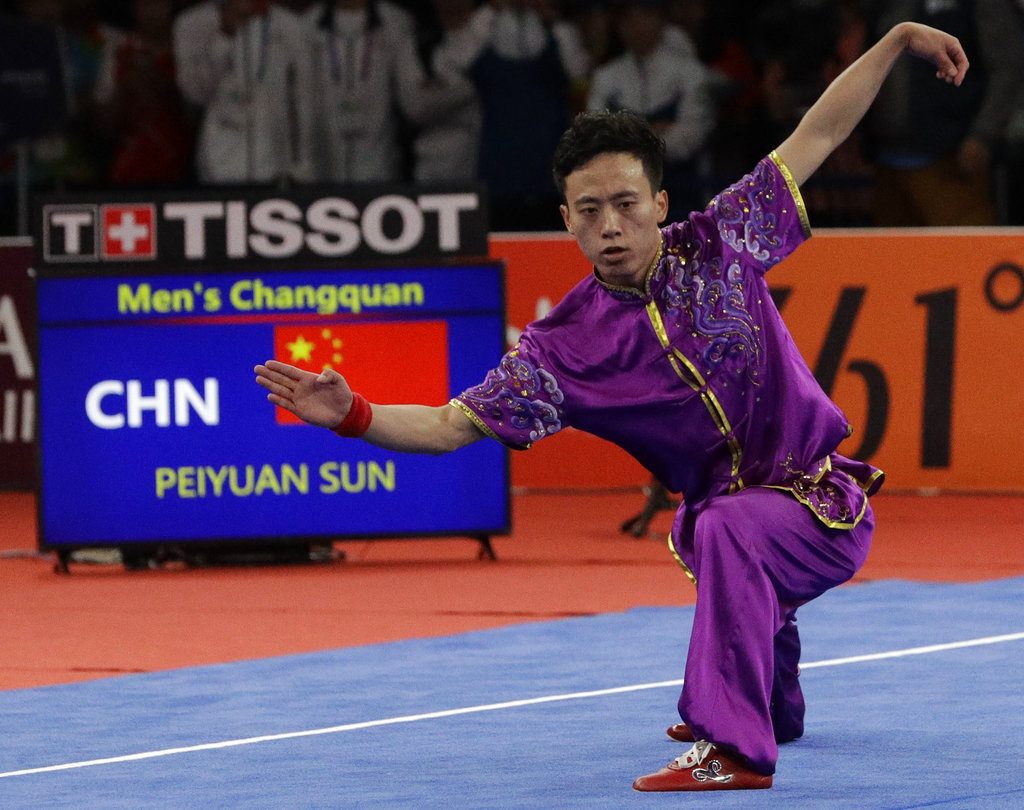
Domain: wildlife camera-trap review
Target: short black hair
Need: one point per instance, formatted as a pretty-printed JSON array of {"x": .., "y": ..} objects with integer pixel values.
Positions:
[{"x": 597, "y": 133}]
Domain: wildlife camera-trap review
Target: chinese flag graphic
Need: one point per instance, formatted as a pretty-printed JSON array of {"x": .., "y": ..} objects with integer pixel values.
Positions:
[{"x": 388, "y": 363}]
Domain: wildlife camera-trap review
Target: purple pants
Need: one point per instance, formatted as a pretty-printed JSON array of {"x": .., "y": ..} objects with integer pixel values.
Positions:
[{"x": 758, "y": 555}]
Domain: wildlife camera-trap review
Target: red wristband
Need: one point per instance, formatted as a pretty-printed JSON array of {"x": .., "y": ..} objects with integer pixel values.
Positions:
[{"x": 357, "y": 420}]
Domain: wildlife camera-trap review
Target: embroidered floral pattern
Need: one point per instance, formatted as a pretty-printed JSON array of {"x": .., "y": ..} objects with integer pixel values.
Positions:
[
  {"x": 713, "y": 298},
  {"x": 816, "y": 491},
  {"x": 746, "y": 216},
  {"x": 519, "y": 396},
  {"x": 710, "y": 288}
]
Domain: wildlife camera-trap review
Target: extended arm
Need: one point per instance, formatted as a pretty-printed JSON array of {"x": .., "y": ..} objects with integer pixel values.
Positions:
[
  {"x": 325, "y": 400},
  {"x": 840, "y": 108}
]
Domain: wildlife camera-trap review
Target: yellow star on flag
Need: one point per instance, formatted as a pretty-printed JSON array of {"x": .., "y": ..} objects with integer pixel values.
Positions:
[{"x": 301, "y": 349}]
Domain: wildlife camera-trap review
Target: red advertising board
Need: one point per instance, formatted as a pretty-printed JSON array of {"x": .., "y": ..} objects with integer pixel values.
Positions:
[
  {"x": 916, "y": 334},
  {"x": 17, "y": 367}
]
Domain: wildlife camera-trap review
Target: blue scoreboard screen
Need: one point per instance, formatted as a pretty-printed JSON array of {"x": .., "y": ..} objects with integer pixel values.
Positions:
[{"x": 153, "y": 430}]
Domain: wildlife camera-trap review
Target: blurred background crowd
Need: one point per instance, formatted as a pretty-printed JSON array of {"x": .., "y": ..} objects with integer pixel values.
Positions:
[{"x": 170, "y": 94}]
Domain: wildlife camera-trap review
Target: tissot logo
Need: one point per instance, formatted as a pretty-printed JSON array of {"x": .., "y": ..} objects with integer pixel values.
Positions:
[
  {"x": 367, "y": 223},
  {"x": 129, "y": 231},
  {"x": 125, "y": 232}
]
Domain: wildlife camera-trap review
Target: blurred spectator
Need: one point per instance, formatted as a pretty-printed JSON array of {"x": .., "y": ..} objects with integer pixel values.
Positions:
[
  {"x": 678, "y": 36},
  {"x": 717, "y": 32},
  {"x": 792, "y": 59},
  {"x": 1010, "y": 182},
  {"x": 801, "y": 63},
  {"x": 298, "y": 7},
  {"x": 141, "y": 109},
  {"x": 242, "y": 62},
  {"x": 511, "y": 53},
  {"x": 73, "y": 156},
  {"x": 593, "y": 21},
  {"x": 934, "y": 144},
  {"x": 665, "y": 82},
  {"x": 592, "y": 40},
  {"x": 394, "y": 16},
  {"x": 576, "y": 59},
  {"x": 389, "y": 90},
  {"x": 841, "y": 191},
  {"x": 447, "y": 148},
  {"x": 371, "y": 90}
]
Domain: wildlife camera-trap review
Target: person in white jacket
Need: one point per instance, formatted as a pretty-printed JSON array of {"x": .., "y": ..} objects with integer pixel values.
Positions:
[
  {"x": 369, "y": 84},
  {"x": 448, "y": 147},
  {"x": 512, "y": 52},
  {"x": 666, "y": 83},
  {"x": 242, "y": 63}
]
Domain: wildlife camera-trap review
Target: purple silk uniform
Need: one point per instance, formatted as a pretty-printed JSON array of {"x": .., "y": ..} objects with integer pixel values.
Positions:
[{"x": 697, "y": 377}]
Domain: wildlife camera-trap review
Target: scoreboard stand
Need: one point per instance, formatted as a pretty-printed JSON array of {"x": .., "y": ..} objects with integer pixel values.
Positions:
[{"x": 150, "y": 557}]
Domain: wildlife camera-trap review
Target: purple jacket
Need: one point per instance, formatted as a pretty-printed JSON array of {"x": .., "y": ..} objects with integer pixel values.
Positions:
[{"x": 696, "y": 376}]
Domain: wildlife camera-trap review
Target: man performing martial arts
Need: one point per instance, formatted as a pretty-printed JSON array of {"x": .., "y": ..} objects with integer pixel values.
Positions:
[{"x": 673, "y": 350}]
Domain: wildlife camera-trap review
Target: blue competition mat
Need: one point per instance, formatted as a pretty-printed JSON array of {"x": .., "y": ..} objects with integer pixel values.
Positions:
[{"x": 915, "y": 698}]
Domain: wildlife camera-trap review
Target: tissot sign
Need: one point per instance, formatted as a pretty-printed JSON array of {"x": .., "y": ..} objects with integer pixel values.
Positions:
[
  {"x": 158, "y": 305},
  {"x": 358, "y": 224}
]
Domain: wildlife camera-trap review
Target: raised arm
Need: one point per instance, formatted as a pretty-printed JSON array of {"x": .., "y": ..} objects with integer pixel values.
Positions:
[
  {"x": 840, "y": 108},
  {"x": 325, "y": 400}
]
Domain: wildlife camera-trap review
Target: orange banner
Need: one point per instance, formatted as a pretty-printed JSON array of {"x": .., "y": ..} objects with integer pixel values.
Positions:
[{"x": 916, "y": 334}]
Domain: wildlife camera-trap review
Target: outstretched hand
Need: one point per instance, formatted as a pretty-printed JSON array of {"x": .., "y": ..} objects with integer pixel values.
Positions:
[
  {"x": 320, "y": 399},
  {"x": 941, "y": 49}
]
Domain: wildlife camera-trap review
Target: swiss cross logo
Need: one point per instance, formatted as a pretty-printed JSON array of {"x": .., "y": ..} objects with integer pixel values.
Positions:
[{"x": 129, "y": 231}]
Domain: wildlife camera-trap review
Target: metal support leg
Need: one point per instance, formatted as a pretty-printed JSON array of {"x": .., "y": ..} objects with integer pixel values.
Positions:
[{"x": 486, "y": 551}]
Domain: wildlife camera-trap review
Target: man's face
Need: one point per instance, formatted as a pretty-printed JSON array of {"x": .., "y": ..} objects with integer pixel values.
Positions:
[{"x": 611, "y": 210}]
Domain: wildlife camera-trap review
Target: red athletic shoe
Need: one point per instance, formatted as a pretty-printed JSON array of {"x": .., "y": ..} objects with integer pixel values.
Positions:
[
  {"x": 705, "y": 767},
  {"x": 680, "y": 732},
  {"x": 683, "y": 733}
]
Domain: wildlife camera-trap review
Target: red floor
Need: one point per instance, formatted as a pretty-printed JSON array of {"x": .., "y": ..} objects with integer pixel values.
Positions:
[{"x": 565, "y": 557}]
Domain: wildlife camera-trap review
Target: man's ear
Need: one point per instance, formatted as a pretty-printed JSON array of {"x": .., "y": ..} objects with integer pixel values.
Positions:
[
  {"x": 661, "y": 205},
  {"x": 564, "y": 211}
]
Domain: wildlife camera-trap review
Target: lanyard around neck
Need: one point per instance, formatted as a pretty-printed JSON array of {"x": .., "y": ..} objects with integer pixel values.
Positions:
[
  {"x": 264, "y": 49},
  {"x": 348, "y": 70}
]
